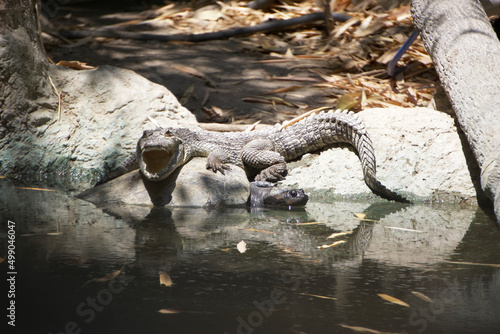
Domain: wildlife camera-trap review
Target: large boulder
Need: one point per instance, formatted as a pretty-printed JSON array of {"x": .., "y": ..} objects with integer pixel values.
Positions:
[
  {"x": 191, "y": 185},
  {"x": 103, "y": 113},
  {"x": 418, "y": 151}
]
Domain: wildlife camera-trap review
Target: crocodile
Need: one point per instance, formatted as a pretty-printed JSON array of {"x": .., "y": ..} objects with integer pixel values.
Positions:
[{"x": 161, "y": 151}]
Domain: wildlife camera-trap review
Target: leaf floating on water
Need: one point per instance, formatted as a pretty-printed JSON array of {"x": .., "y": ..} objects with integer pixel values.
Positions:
[
  {"x": 403, "y": 229},
  {"x": 421, "y": 296},
  {"x": 106, "y": 278},
  {"x": 283, "y": 90},
  {"x": 54, "y": 233},
  {"x": 363, "y": 329},
  {"x": 336, "y": 235},
  {"x": 310, "y": 223},
  {"x": 226, "y": 249},
  {"x": 29, "y": 188},
  {"x": 165, "y": 279},
  {"x": 336, "y": 243},
  {"x": 393, "y": 299},
  {"x": 2, "y": 259},
  {"x": 168, "y": 311},
  {"x": 317, "y": 296},
  {"x": 495, "y": 265},
  {"x": 362, "y": 216},
  {"x": 242, "y": 246},
  {"x": 76, "y": 65}
]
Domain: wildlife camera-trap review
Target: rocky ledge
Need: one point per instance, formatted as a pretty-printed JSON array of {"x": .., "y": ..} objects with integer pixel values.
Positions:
[{"x": 419, "y": 151}]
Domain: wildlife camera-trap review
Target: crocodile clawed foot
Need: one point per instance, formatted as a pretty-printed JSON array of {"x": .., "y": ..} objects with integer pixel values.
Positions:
[
  {"x": 273, "y": 173},
  {"x": 218, "y": 166}
]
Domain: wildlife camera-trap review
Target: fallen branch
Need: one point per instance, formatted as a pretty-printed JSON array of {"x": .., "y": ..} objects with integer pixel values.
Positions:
[{"x": 269, "y": 26}]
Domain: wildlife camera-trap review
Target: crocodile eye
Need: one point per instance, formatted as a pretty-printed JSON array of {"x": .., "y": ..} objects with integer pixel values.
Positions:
[
  {"x": 293, "y": 193},
  {"x": 167, "y": 133}
]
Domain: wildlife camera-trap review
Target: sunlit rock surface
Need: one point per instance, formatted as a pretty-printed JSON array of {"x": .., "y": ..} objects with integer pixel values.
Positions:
[
  {"x": 103, "y": 113},
  {"x": 191, "y": 185},
  {"x": 418, "y": 153}
]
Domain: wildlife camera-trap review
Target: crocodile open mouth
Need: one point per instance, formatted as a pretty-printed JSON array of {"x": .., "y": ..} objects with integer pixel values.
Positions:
[{"x": 156, "y": 160}]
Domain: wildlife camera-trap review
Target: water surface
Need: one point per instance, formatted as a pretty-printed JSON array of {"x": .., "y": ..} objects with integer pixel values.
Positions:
[{"x": 83, "y": 269}]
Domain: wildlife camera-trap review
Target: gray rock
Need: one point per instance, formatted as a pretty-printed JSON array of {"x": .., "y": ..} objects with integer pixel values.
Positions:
[
  {"x": 418, "y": 153},
  {"x": 104, "y": 112},
  {"x": 193, "y": 185}
]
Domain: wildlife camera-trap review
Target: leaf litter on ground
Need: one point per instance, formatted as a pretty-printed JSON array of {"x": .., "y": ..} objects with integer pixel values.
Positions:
[{"x": 352, "y": 58}]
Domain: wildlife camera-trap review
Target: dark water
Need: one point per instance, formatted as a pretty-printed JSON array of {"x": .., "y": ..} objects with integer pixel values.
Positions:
[{"x": 80, "y": 269}]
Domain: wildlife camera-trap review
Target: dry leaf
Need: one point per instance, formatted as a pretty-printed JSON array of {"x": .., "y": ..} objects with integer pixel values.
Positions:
[
  {"x": 106, "y": 278},
  {"x": 343, "y": 28},
  {"x": 360, "y": 215},
  {"x": 403, "y": 229},
  {"x": 289, "y": 54},
  {"x": 242, "y": 246},
  {"x": 252, "y": 127},
  {"x": 168, "y": 311},
  {"x": 54, "y": 233},
  {"x": 400, "y": 13},
  {"x": 2, "y": 259},
  {"x": 76, "y": 65},
  {"x": 339, "y": 234},
  {"x": 422, "y": 296},
  {"x": 186, "y": 95},
  {"x": 363, "y": 329},
  {"x": 336, "y": 243},
  {"x": 283, "y": 90},
  {"x": 310, "y": 223},
  {"x": 393, "y": 299},
  {"x": 476, "y": 264},
  {"x": 194, "y": 72},
  {"x": 29, "y": 188},
  {"x": 300, "y": 117},
  {"x": 165, "y": 279},
  {"x": 349, "y": 101},
  {"x": 317, "y": 296}
]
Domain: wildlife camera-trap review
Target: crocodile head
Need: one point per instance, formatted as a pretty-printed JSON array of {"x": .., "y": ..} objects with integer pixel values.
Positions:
[{"x": 159, "y": 153}]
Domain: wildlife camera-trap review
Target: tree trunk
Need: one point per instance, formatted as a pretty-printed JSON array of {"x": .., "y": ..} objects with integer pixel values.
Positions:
[
  {"x": 466, "y": 54},
  {"x": 24, "y": 83}
]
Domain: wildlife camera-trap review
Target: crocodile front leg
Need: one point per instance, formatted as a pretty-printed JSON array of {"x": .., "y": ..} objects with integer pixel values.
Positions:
[
  {"x": 261, "y": 154},
  {"x": 217, "y": 160}
]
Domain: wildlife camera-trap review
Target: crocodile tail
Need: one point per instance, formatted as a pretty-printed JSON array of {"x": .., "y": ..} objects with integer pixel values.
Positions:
[{"x": 364, "y": 146}]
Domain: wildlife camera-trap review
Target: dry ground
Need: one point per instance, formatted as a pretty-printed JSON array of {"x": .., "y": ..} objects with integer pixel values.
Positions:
[{"x": 266, "y": 77}]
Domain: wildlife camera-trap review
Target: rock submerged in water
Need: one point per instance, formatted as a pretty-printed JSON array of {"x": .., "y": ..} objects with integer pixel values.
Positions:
[{"x": 192, "y": 185}]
